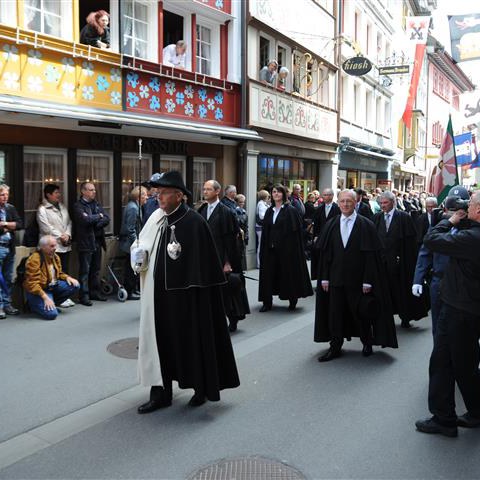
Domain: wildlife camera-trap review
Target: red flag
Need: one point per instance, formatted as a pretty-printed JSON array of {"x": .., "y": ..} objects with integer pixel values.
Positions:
[{"x": 412, "y": 93}]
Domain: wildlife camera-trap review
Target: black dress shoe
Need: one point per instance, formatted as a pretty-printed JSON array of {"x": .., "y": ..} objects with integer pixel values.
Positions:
[
  {"x": 133, "y": 296},
  {"x": 330, "y": 355},
  {"x": 197, "y": 400},
  {"x": 98, "y": 297},
  {"x": 467, "y": 421},
  {"x": 86, "y": 301},
  {"x": 265, "y": 307},
  {"x": 367, "y": 350},
  {"x": 293, "y": 304},
  {"x": 406, "y": 324},
  {"x": 233, "y": 326},
  {"x": 9, "y": 310},
  {"x": 153, "y": 405},
  {"x": 429, "y": 425}
]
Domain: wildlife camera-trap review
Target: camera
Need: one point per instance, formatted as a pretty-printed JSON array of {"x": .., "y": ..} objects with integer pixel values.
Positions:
[{"x": 455, "y": 203}]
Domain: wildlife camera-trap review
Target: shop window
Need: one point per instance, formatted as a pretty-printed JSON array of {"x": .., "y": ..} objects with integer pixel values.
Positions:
[
  {"x": 131, "y": 175},
  {"x": 50, "y": 17},
  {"x": 172, "y": 28},
  {"x": 8, "y": 13},
  {"x": 139, "y": 31},
  {"x": 378, "y": 113},
  {"x": 264, "y": 53},
  {"x": 2, "y": 166},
  {"x": 387, "y": 120},
  {"x": 41, "y": 167},
  {"x": 172, "y": 162},
  {"x": 204, "y": 50},
  {"x": 203, "y": 170},
  {"x": 97, "y": 168}
]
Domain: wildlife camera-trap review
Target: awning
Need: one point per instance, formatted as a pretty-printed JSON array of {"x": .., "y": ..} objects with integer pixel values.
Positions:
[
  {"x": 29, "y": 106},
  {"x": 367, "y": 153}
]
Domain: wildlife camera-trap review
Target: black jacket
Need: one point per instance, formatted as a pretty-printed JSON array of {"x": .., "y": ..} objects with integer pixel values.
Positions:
[
  {"x": 461, "y": 281},
  {"x": 11, "y": 215},
  {"x": 365, "y": 210},
  {"x": 89, "y": 220},
  {"x": 90, "y": 36}
]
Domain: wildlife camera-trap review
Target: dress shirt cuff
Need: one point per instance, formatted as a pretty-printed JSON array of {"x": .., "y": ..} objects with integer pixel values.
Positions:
[
  {"x": 325, "y": 282},
  {"x": 367, "y": 285}
]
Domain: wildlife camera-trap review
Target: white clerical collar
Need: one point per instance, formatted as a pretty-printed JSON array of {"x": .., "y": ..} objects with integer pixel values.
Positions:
[{"x": 353, "y": 216}]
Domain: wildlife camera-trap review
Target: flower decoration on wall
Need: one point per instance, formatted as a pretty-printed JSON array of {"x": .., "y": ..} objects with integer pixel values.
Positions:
[
  {"x": 154, "y": 84},
  {"x": 210, "y": 104},
  {"x": 170, "y": 87},
  {"x": 52, "y": 75},
  {"x": 170, "y": 105},
  {"x": 218, "y": 114},
  {"x": 34, "y": 57},
  {"x": 202, "y": 111},
  {"x": 219, "y": 4},
  {"x": 88, "y": 93},
  {"x": 180, "y": 98},
  {"x": 68, "y": 90},
  {"x": 144, "y": 91},
  {"x": 219, "y": 97},
  {"x": 102, "y": 83},
  {"x": 189, "y": 91},
  {"x": 133, "y": 99},
  {"x": 188, "y": 109},
  {"x": 10, "y": 80},
  {"x": 35, "y": 83},
  {"x": 202, "y": 94},
  {"x": 68, "y": 64},
  {"x": 132, "y": 79},
  {"x": 154, "y": 103},
  {"x": 115, "y": 75},
  {"x": 115, "y": 98},
  {"x": 10, "y": 52},
  {"x": 88, "y": 68}
]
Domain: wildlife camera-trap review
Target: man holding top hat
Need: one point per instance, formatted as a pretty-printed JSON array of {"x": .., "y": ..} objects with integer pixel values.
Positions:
[{"x": 183, "y": 330}]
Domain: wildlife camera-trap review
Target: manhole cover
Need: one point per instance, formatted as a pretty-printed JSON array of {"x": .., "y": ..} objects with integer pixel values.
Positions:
[
  {"x": 124, "y": 348},
  {"x": 247, "y": 468}
]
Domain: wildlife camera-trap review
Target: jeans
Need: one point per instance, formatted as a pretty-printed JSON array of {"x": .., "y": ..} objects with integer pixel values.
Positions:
[
  {"x": 89, "y": 272},
  {"x": 7, "y": 262},
  {"x": 58, "y": 293}
]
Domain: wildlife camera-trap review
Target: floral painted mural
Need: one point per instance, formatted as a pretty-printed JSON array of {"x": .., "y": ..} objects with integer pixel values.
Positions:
[
  {"x": 222, "y": 5},
  {"x": 178, "y": 98}
]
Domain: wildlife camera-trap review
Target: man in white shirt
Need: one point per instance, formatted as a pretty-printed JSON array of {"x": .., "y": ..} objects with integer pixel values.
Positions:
[{"x": 174, "y": 55}]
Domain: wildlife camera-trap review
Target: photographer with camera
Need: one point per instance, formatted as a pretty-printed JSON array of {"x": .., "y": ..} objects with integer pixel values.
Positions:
[
  {"x": 456, "y": 351},
  {"x": 431, "y": 265}
]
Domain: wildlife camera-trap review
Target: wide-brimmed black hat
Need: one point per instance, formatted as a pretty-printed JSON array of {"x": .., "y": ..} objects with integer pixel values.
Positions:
[{"x": 172, "y": 179}]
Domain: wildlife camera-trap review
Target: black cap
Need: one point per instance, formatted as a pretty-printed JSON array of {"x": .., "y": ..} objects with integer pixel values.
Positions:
[{"x": 172, "y": 179}]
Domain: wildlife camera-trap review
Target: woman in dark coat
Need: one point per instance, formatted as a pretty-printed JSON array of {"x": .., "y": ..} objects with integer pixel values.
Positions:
[
  {"x": 283, "y": 267},
  {"x": 242, "y": 218},
  {"x": 96, "y": 32}
]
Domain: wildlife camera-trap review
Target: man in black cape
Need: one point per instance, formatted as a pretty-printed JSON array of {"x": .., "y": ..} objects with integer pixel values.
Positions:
[
  {"x": 183, "y": 331},
  {"x": 352, "y": 300},
  {"x": 223, "y": 223},
  {"x": 325, "y": 212},
  {"x": 399, "y": 237}
]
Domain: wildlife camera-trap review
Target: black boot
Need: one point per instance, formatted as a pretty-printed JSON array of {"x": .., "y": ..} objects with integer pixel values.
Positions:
[
  {"x": 293, "y": 304},
  {"x": 266, "y": 307},
  {"x": 197, "y": 399},
  {"x": 160, "y": 397},
  {"x": 233, "y": 326}
]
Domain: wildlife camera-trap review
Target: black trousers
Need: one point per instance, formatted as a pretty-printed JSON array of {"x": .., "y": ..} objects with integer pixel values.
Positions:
[
  {"x": 64, "y": 260},
  {"x": 89, "y": 272},
  {"x": 455, "y": 358}
]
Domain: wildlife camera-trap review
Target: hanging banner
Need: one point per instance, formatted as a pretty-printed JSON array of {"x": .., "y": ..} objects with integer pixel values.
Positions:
[
  {"x": 417, "y": 33},
  {"x": 465, "y": 36},
  {"x": 463, "y": 148}
]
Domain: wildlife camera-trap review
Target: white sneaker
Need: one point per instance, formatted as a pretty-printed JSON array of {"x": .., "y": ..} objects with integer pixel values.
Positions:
[
  {"x": 65, "y": 304},
  {"x": 70, "y": 302}
]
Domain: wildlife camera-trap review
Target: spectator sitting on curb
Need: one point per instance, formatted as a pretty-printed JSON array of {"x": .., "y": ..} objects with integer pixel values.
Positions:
[{"x": 45, "y": 283}]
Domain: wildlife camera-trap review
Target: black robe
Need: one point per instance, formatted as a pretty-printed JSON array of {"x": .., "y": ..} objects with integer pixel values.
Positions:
[
  {"x": 192, "y": 336},
  {"x": 225, "y": 229},
  {"x": 348, "y": 268},
  {"x": 283, "y": 267},
  {"x": 319, "y": 222},
  {"x": 400, "y": 249}
]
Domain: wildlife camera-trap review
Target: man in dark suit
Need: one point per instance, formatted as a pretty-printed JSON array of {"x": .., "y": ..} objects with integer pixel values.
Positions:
[
  {"x": 325, "y": 212},
  {"x": 426, "y": 220},
  {"x": 399, "y": 237},
  {"x": 225, "y": 229},
  {"x": 362, "y": 206},
  {"x": 351, "y": 296}
]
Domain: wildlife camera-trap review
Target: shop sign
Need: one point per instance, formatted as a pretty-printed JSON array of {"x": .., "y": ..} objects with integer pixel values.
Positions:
[
  {"x": 394, "y": 70},
  {"x": 130, "y": 144},
  {"x": 357, "y": 66}
]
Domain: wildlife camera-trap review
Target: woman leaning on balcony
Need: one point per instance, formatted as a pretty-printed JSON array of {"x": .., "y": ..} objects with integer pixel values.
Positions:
[{"x": 96, "y": 32}]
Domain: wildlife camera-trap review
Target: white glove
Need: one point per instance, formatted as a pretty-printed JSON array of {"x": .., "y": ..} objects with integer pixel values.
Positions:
[
  {"x": 417, "y": 290},
  {"x": 138, "y": 255}
]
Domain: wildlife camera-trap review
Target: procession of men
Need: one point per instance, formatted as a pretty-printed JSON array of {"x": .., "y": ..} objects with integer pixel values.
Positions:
[{"x": 368, "y": 267}]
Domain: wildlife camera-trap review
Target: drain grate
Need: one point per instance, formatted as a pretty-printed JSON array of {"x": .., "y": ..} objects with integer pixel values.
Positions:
[
  {"x": 247, "y": 468},
  {"x": 124, "y": 348}
]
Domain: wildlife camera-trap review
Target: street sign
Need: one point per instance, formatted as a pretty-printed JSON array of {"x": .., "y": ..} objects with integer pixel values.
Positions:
[
  {"x": 394, "y": 70},
  {"x": 357, "y": 66}
]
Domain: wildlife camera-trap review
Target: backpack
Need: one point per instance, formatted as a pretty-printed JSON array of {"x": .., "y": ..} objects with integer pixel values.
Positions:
[
  {"x": 22, "y": 267},
  {"x": 32, "y": 233}
]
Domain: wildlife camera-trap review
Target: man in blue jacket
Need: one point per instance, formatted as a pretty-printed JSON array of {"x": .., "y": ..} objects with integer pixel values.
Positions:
[{"x": 90, "y": 221}]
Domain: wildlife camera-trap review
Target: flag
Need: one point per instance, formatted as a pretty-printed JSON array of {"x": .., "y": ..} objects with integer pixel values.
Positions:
[
  {"x": 476, "y": 156},
  {"x": 463, "y": 149},
  {"x": 417, "y": 31},
  {"x": 465, "y": 36},
  {"x": 445, "y": 174}
]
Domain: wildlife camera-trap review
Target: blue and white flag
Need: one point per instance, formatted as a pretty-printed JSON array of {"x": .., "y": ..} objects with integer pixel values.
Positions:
[{"x": 463, "y": 148}]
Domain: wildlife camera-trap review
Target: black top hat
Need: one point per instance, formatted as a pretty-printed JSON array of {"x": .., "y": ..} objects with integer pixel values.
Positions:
[{"x": 172, "y": 179}]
